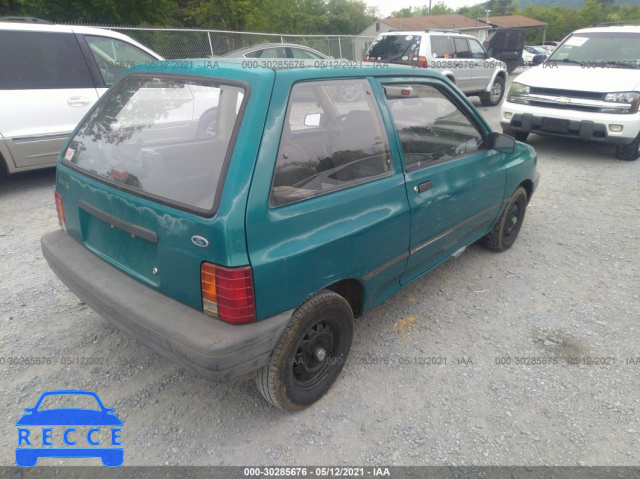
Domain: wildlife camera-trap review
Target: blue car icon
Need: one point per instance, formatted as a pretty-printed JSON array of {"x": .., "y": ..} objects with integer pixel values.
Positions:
[{"x": 70, "y": 418}]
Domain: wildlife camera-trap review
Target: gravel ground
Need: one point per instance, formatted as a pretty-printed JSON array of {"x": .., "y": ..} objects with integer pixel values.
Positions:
[{"x": 567, "y": 289}]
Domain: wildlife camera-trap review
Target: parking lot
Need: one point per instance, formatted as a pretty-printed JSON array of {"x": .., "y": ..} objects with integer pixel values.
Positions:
[{"x": 528, "y": 357}]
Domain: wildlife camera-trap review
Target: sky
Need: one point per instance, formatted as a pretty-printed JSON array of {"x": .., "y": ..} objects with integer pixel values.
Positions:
[{"x": 387, "y": 6}]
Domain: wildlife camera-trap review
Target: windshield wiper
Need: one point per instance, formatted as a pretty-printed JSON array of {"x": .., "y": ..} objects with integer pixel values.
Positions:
[{"x": 564, "y": 60}]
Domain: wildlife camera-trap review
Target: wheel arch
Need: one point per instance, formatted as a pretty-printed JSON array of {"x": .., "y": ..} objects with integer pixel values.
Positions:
[
  {"x": 4, "y": 167},
  {"x": 528, "y": 187},
  {"x": 351, "y": 290}
]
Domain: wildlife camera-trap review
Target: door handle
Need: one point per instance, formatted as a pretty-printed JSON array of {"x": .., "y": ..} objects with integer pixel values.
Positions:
[
  {"x": 422, "y": 187},
  {"x": 78, "y": 101}
]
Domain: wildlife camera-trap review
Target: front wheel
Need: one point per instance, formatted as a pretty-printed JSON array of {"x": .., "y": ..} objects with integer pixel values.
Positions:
[
  {"x": 310, "y": 354},
  {"x": 629, "y": 152},
  {"x": 494, "y": 96},
  {"x": 505, "y": 231}
]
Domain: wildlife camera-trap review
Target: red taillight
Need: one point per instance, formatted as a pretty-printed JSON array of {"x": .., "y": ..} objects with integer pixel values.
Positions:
[
  {"x": 422, "y": 62},
  {"x": 60, "y": 210},
  {"x": 227, "y": 293}
]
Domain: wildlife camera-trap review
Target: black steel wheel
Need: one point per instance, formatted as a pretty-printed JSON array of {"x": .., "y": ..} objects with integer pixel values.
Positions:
[
  {"x": 506, "y": 229},
  {"x": 310, "y": 353}
]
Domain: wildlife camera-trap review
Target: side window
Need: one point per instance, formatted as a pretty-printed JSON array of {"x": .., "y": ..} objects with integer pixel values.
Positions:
[
  {"x": 476, "y": 49},
  {"x": 302, "y": 53},
  {"x": 328, "y": 143},
  {"x": 462, "y": 48},
  {"x": 430, "y": 127},
  {"x": 279, "y": 52},
  {"x": 114, "y": 57},
  {"x": 41, "y": 60},
  {"x": 441, "y": 46}
]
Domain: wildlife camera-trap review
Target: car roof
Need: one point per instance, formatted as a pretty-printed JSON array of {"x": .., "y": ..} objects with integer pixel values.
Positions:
[
  {"x": 425, "y": 32},
  {"x": 302, "y": 69},
  {"x": 44, "y": 27},
  {"x": 610, "y": 29},
  {"x": 262, "y": 46}
]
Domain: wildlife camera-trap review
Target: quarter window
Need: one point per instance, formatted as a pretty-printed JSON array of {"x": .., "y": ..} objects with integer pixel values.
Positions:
[
  {"x": 441, "y": 46},
  {"x": 430, "y": 127},
  {"x": 114, "y": 57},
  {"x": 328, "y": 143}
]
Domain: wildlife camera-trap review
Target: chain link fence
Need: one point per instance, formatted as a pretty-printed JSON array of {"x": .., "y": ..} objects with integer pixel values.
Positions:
[{"x": 188, "y": 43}]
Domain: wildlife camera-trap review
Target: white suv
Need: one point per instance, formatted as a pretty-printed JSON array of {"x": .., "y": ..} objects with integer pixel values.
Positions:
[
  {"x": 588, "y": 89},
  {"x": 459, "y": 57},
  {"x": 50, "y": 77}
]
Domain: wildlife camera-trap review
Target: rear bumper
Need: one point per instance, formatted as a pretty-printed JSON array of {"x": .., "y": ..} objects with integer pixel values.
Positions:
[{"x": 213, "y": 349}]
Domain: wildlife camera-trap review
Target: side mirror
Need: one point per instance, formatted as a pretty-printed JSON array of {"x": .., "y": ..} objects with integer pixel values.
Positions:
[
  {"x": 538, "y": 59},
  {"x": 501, "y": 143},
  {"x": 313, "y": 119},
  {"x": 489, "y": 53}
]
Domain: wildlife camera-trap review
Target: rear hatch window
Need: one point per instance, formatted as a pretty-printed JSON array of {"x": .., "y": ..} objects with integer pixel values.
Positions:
[
  {"x": 394, "y": 48},
  {"x": 161, "y": 137}
]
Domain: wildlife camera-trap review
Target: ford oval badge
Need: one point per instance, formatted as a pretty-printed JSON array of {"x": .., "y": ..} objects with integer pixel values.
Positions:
[{"x": 200, "y": 241}]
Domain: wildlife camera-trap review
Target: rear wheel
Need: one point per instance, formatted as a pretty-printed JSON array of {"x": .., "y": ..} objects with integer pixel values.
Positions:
[
  {"x": 494, "y": 96},
  {"x": 505, "y": 231},
  {"x": 310, "y": 353},
  {"x": 518, "y": 135},
  {"x": 629, "y": 152}
]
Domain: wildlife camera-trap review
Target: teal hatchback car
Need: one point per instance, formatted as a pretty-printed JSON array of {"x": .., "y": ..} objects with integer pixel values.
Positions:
[{"x": 236, "y": 219}]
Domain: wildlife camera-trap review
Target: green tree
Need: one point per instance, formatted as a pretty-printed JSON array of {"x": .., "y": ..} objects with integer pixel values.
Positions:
[
  {"x": 591, "y": 12},
  {"x": 441, "y": 9},
  {"x": 122, "y": 12}
]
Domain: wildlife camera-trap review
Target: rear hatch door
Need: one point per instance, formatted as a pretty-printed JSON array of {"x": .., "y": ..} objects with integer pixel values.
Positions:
[{"x": 142, "y": 177}]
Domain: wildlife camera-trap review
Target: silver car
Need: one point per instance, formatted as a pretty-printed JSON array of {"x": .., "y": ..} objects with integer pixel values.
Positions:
[{"x": 51, "y": 75}]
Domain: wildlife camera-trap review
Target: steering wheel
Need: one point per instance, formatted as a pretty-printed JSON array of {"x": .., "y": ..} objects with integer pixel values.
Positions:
[{"x": 332, "y": 135}]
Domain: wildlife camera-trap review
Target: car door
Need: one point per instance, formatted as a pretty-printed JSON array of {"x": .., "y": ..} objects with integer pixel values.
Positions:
[
  {"x": 334, "y": 212},
  {"x": 463, "y": 69},
  {"x": 45, "y": 89},
  {"x": 455, "y": 186},
  {"x": 481, "y": 74}
]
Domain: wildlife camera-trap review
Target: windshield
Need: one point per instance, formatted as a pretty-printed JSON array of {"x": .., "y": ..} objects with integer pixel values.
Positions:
[
  {"x": 161, "y": 136},
  {"x": 69, "y": 401},
  {"x": 611, "y": 49},
  {"x": 394, "y": 48}
]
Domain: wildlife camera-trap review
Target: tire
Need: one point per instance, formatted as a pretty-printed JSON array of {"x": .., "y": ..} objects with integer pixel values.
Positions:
[
  {"x": 493, "y": 97},
  {"x": 3, "y": 167},
  {"x": 629, "y": 152},
  {"x": 518, "y": 135},
  {"x": 295, "y": 376},
  {"x": 208, "y": 124},
  {"x": 506, "y": 229}
]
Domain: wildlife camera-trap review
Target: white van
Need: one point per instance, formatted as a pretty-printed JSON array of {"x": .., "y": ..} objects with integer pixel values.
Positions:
[{"x": 51, "y": 75}]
